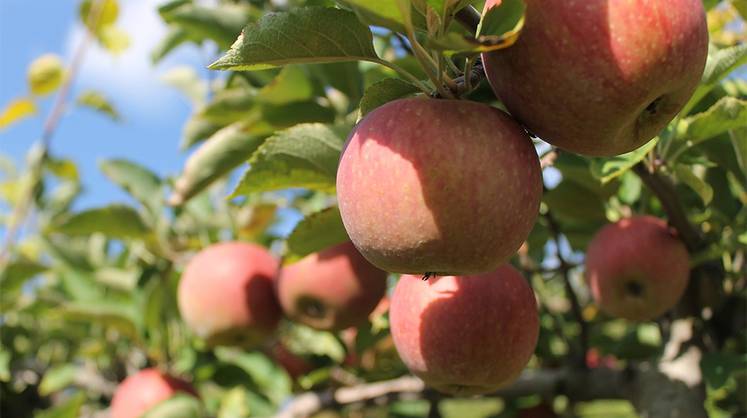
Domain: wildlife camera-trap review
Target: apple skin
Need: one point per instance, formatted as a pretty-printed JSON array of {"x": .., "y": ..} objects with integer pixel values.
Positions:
[
  {"x": 438, "y": 186},
  {"x": 144, "y": 390},
  {"x": 293, "y": 364},
  {"x": 226, "y": 294},
  {"x": 600, "y": 77},
  {"x": 465, "y": 335},
  {"x": 636, "y": 268},
  {"x": 331, "y": 290}
]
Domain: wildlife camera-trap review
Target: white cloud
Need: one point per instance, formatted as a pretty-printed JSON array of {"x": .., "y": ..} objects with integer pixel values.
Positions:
[{"x": 129, "y": 79}]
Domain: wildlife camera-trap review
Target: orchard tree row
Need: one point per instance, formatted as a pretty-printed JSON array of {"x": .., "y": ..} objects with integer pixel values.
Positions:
[{"x": 508, "y": 208}]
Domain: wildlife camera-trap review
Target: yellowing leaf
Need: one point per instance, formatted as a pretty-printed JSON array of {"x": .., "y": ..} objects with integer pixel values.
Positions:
[
  {"x": 106, "y": 13},
  {"x": 45, "y": 74},
  {"x": 17, "y": 110},
  {"x": 114, "y": 39}
]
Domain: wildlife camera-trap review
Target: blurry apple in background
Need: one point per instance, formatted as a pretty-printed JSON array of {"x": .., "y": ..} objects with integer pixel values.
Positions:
[
  {"x": 144, "y": 390},
  {"x": 226, "y": 294}
]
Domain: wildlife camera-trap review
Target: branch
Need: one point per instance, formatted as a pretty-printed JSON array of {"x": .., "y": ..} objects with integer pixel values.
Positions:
[{"x": 469, "y": 17}]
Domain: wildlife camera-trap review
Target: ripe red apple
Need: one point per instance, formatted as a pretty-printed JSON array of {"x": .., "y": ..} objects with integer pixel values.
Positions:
[
  {"x": 636, "y": 268},
  {"x": 601, "y": 77},
  {"x": 438, "y": 186},
  {"x": 332, "y": 289},
  {"x": 465, "y": 335},
  {"x": 144, "y": 390},
  {"x": 226, "y": 294},
  {"x": 294, "y": 364}
]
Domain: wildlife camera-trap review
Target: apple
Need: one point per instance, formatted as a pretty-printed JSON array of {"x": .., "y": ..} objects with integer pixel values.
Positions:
[
  {"x": 465, "y": 335},
  {"x": 637, "y": 268},
  {"x": 601, "y": 77},
  {"x": 144, "y": 390},
  {"x": 226, "y": 294},
  {"x": 331, "y": 290},
  {"x": 293, "y": 364},
  {"x": 438, "y": 186},
  {"x": 541, "y": 410}
]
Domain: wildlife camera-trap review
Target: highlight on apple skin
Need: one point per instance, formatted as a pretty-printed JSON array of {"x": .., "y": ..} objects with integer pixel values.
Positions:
[
  {"x": 226, "y": 294},
  {"x": 331, "y": 290},
  {"x": 465, "y": 335},
  {"x": 144, "y": 390},
  {"x": 637, "y": 269},
  {"x": 438, "y": 186},
  {"x": 600, "y": 77}
]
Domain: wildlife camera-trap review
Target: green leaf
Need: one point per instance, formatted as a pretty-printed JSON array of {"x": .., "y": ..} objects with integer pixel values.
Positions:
[
  {"x": 304, "y": 341},
  {"x": 70, "y": 409},
  {"x": 386, "y": 13},
  {"x": 703, "y": 189},
  {"x": 303, "y": 35},
  {"x": 96, "y": 101},
  {"x": 563, "y": 201},
  {"x": 178, "y": 406},
  {"x": 173, "y": 39},
  {"x": 608, "y": 169},
  {"x": 107, "y": 313},
  {"x": 116, "y": 221},
  {"x": 293, "y": 84},
  {"x": 303, "y": 156},
  {"x": 316, "y": 232},
  {"x": 186, "y": 80},
  {"x": 727, "y": 114},
  {"x": 271, "y": 379},
  {"x": 383, "y": 92},
  {"x": 5, "y": 358},
  {"x": 229, "y": 106},
  {"x": 16, "y": 110},
  {"x": 198, "y": 129},
  {"x": 17, "y": 273},
  {"x": 718, "y": 367},
  {"x": 221, "y": 23},
  {"x": 721, "y": 62},
  {"x": 224, "y": 151},
  {"x": 739, "y": 142},
  {"x": 138, "y": 181},
  {"x": 57, "y": 378}
]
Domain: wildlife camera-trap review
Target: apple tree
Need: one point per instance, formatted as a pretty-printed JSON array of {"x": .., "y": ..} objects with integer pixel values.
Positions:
[{"x": 409, "y": 208}]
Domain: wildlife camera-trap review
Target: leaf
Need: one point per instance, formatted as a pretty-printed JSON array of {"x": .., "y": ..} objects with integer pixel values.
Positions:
[
  {"x": 16, "y": 273},
  {"x": 230, "y": 105},
  {"x": 57, "y": 378},
  {"x": 16, "y": 110},
  {"x": 221, "y": 23},
  {"x": 107, "y": 12},
  {"x": 739, "y": 142},
  {"x": 5, "y": 358},
  {"x": 383, "y": 92},
  {"x": 727, "y": 114},
  {"x": 303, "y": 35},
  {"x": 721, "y": 62},
  {"x": 703, "y": 189},
  {"x": 196, "y": 130},
  {"x": 177, "y": 406},
  {"x": 186, "y": 81},
  {"x": 316, "y": 232},
  {"x": 45, "y": 74},
  {"x": 303, "y": 156},
  {"x": 138, "y": 181},
  {"x": 107, "y": 313},
  {"x": 62, "y": 169},
  {"x": 69, "y": 409},
  {"x": 223, "y": 152},
  {"x": 97, "y": 101},
  {"x": 718, "y": 367},
  {"x": 563, "y": 201},
  {"x": 608, "y": 169},
  {"x": 113, "y": 39},
  {"x": 386, "y": 13},
  {"x": 116, "y": 221},
  {"x": 292, "y": 84},
  {"x": 303, "y": 340},
  {"x": 173, "y": 39},
  {"x": 268, "y": 376}
]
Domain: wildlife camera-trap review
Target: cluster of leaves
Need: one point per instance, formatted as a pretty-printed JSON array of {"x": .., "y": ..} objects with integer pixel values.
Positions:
[{"x": 89, "y": 296}]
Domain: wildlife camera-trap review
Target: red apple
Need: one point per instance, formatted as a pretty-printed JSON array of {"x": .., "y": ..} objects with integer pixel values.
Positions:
[
  {"x": 294, "y": 364},
  {"x": 331, "y": 290},
  {"x": 601, "y": 77},
  {"x": 438, "y": 186},
  {"x": 226, "y": 294},
  {"x": 144, "y": 390},
  {"x": 637, "y": 268},
  {"x": 465, "y": 335}
]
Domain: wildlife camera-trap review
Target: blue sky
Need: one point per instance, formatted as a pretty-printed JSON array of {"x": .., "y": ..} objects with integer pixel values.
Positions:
[{"x": 153, "y": 113}]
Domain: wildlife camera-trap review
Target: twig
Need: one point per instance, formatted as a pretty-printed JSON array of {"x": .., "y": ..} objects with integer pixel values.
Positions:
[
  {"x": 565, "y": 269},
  {"x": 469, "y": 17},
  {"x": 548, "y": 160}
]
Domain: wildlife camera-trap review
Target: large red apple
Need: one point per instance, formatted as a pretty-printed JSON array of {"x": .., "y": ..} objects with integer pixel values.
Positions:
[
  {"x": 438, "y": 186},
  {"x": 601, "y": 77},
  {"x": 226, "y": 294},
  {"x": 636, "y": 268},
  {"x": 465, "y": 335},
  {"x": 332, "y": 289},
  {"x": 144, "y": 390}
]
